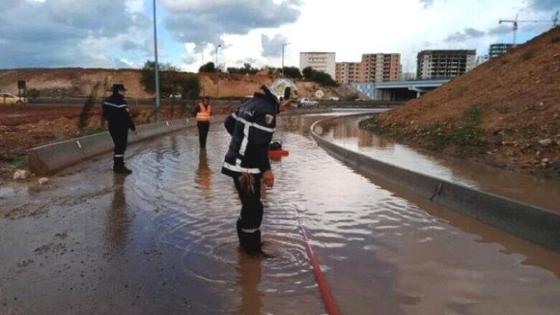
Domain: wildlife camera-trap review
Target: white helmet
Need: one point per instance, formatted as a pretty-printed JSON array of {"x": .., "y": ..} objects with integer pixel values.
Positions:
[{"x": 283, "y": 89}]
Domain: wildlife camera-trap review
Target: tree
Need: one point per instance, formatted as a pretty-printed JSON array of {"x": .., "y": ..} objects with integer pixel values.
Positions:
[
  {"x": 319, "y": 77},
  {"x": 292, "y": 72},
  {"x": 323, "y": 78},
  {"x": 247, "y": 68},
  {"x": 208, "y": 67},
  {"x": 172, "y": 81},
  {"x": 190, "y": 87},
  {"x": 308, "y": 73}
]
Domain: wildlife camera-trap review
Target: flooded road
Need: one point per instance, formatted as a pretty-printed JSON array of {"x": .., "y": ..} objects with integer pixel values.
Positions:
[
  {"x": 529, "y": 189},
  {"x": 163, "y": 241}
]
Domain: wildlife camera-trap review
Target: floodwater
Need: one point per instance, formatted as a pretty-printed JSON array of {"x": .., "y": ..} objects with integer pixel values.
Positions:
[
  {"x": 529, "y": 189},
  {"x": 163, "y": 241}
]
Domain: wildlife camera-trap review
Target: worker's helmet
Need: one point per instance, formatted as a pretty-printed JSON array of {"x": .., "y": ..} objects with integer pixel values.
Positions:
[
  {"x": 283, "y": 89},
  {"x": 118, "y": 88}
]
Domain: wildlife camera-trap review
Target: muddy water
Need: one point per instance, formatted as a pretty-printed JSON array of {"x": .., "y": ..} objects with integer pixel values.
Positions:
[
  {"x": 163, "y": 241},
  {"x": 530, "y": 189}
]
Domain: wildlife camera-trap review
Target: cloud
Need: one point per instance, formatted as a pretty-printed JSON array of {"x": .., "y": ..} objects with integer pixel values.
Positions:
[
  {"x": 466, "y": 34},
  {"x": 204, "y": 22},
  {"x": 544, "y": 5},
  {"x": 66, "y": 32},
  {"x": 272, "y": 46},
  {"x": 427, "y": 3}
]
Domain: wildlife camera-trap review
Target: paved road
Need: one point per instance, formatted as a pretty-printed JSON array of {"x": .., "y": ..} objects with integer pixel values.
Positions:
[{"x": 162, "y": 241}]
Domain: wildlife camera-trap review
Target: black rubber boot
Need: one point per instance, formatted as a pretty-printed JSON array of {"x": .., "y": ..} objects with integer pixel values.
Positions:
[
  {"x": 250, "y": 242},
  {"x": 119, "y": 167}
]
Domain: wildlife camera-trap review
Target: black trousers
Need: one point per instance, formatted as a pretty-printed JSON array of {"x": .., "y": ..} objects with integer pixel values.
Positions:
[
  {"x": 249, "y": 222},
  {"x": 120, "y": 139},
  {"x": 203, "y": 127}
]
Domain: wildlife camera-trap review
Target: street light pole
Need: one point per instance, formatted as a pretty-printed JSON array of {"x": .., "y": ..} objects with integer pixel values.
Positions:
[
  {"x": 283, "y": 47},
  {"x": 218, "y": 80},
  {"x": 156, "y": 65}
]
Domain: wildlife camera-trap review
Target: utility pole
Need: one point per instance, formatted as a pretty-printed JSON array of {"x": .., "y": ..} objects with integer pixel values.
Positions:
[
  {"x": 283, "y": 47},
  {"x": 218, "y": 80},
  {"x": 156, "y": 65}
]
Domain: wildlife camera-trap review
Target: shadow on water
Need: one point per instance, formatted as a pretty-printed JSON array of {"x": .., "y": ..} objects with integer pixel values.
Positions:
[{"x": 118, "y": 223}]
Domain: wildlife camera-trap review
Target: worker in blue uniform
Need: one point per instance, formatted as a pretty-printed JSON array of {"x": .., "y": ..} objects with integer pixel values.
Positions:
[
  {"x": 251, "y": 128},
  {"x": 115, "y": 111}
]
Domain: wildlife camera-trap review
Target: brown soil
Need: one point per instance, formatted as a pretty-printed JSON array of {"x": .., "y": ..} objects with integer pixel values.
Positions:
[
  {"x": 25, "y": 128},
  {"x": 505, "y": 112},
  {"x": 72, "y": 82}
]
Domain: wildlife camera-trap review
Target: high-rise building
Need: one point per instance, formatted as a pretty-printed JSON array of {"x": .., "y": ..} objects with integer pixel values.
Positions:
[
  {"x": 319, "y": 61},
  {"x": 444, "y": 64},
  {"x": 380, "y": 67},
  {"x": 373, "y": 68},
  {"x": 348, "y": 72},
  {"x": 497, "y": 50}
]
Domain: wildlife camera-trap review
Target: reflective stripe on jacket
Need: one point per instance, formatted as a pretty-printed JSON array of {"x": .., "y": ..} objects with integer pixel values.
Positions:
[{"x": 203, "y": 113}]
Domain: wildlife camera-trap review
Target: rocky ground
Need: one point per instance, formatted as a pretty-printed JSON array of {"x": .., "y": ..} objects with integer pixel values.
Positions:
[{"x": 505, "y": 112}]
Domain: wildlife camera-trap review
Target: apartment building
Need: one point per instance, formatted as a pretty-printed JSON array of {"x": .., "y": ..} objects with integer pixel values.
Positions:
[
  {"x": 320, "y": 61},
  {"x": 380, "y": 67},
  {"x": 348, "y": 72},
  {"x": 373, "y": 68},
  {"x": 497, "y": 50},
  {"x": 444, "y": 64}
]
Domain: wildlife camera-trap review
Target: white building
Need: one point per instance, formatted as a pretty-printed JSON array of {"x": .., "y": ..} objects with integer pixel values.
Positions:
[{"x": 320, "y": 61}]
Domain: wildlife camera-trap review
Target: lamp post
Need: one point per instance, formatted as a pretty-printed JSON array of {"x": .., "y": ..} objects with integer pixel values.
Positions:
[
  {"x": 218, "y": 80},
  {"x": 156, "y": 65},
  {"x": 283, "y": 47}
]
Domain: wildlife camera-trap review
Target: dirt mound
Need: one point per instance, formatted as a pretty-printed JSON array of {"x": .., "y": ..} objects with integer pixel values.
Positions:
[
  {"x": 72, "y": 82},
  {"x": 505, "y": 112}
]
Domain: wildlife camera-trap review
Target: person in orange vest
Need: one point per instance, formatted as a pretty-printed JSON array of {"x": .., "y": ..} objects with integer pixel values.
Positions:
[{"x": 203, "y": 112}]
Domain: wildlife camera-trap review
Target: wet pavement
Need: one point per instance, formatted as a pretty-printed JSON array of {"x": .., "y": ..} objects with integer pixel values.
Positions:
[
  {"x": 163, "y": 241},
  {"x": 526, "y": 188}
]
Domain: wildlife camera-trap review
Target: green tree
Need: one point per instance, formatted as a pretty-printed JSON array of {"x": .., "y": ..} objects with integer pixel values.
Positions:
[
  {"x": 208, "y": 67},
  {"x": 172, "y": 81},
  {"x": 319, "y": 77},
  {"x": 292, "y": 72},
  {"x": 307, "y": 72}
]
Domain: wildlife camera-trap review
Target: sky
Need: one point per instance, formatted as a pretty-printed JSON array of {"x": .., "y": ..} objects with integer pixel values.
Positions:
[{"x": 119, "y": 33}]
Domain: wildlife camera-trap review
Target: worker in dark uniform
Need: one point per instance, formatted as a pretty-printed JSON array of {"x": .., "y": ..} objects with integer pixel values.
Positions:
[
  {"x": 251, "y": 128},
  {"x": 203, "y": 112},
  {"x": 115, "y": 111}
]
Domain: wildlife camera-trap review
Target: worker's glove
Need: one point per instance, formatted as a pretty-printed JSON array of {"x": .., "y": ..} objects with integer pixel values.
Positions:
[{"x": 268, "y": 178}]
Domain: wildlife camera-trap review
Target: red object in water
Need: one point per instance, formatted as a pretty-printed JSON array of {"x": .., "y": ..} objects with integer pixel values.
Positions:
[{"x": 277, "y": 153}]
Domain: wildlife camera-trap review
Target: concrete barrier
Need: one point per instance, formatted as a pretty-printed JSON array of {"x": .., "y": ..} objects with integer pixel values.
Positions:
[
  {"x": 51, "y": 158},
  {"x": 535, "y": 224}
]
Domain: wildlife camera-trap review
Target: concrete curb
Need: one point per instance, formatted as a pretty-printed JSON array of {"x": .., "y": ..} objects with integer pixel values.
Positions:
[
  {"x": 51, "y": 158},
  {"x": 532, "y": 223}
]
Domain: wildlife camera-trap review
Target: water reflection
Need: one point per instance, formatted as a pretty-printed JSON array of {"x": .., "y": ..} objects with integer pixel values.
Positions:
[
  {"x": 203, "y": 177},
  {"x": 117, "y": 222},
  {"x": 249, "y": 278},
  {"x": 531, "y": 189}
]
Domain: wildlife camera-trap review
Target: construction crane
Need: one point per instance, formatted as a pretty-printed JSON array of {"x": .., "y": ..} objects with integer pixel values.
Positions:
[{"x": 515, "y": 23}]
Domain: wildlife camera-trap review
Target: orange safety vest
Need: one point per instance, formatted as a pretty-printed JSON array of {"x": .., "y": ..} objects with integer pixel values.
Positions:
[{"x": 204, "y": 113}]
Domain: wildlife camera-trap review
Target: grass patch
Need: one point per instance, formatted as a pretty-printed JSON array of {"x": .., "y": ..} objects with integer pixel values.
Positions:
[
  {"x": 19, "y": 161},
  {"x": 555, "y": 40}
]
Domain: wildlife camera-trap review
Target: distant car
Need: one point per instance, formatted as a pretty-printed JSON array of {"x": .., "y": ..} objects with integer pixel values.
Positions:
[
  {"x": 11, "y": 99},
  {"x": 305, "y": 101}
]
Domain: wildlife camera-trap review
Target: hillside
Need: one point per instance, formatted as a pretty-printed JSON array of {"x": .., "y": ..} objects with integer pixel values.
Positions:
[
  {"x": 79, "y": 81},
  {"x": 506, "y": 112}
]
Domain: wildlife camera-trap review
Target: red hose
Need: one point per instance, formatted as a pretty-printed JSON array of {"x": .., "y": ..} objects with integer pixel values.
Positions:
[{"x": 328, "y": 299}]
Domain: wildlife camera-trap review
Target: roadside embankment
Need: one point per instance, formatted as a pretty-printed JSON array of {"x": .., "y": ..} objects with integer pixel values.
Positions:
[{"x": 503, "y": 113}]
